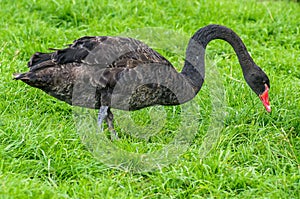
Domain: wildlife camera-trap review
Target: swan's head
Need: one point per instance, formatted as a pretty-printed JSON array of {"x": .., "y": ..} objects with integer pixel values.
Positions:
[{"x": 260, "y": 84}]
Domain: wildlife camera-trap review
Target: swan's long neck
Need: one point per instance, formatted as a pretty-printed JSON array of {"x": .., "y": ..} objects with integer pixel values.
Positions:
[{"x": 194, "y": 67}]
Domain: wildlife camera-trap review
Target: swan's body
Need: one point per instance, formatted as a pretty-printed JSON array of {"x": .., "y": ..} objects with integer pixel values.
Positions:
[{"x": 124, "y": 73}]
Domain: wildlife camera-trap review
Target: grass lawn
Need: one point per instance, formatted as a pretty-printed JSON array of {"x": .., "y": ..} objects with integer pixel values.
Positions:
[{"x": 255, "y": 155}]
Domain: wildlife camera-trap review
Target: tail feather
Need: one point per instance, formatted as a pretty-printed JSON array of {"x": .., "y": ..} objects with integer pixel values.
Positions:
[
  {"x": 30, "y": 78},
  {"x": 20, "y": 76}
]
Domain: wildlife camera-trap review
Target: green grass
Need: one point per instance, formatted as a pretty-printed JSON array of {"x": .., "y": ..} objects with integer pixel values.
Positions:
[{"x": 256, "y": 156}]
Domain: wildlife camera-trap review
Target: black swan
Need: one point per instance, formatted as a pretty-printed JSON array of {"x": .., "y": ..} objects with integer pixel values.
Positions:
[{"x": 103, "y": 72}]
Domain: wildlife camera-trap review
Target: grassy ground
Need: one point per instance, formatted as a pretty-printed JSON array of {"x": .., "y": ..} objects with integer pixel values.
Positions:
[{"x": 256, "y": 156}]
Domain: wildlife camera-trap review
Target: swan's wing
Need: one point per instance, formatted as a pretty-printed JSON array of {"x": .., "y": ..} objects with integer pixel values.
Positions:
[
  {"x": 117, "y": 52},
  {"x": 101, "y": 52}
]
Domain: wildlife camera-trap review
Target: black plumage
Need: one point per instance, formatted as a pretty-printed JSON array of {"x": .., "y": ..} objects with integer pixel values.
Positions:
[{"x": 104, "y": 72}]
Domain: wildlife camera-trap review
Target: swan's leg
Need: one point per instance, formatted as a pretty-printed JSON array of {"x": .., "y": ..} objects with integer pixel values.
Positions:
[
  {"x": 110, "y": 123},
  {"x": 105, "y": 113},
  {"x": 102, "y": 114}
]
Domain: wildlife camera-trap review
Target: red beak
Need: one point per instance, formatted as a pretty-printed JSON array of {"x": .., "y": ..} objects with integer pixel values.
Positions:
[{"x": 265, "y": 99}]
